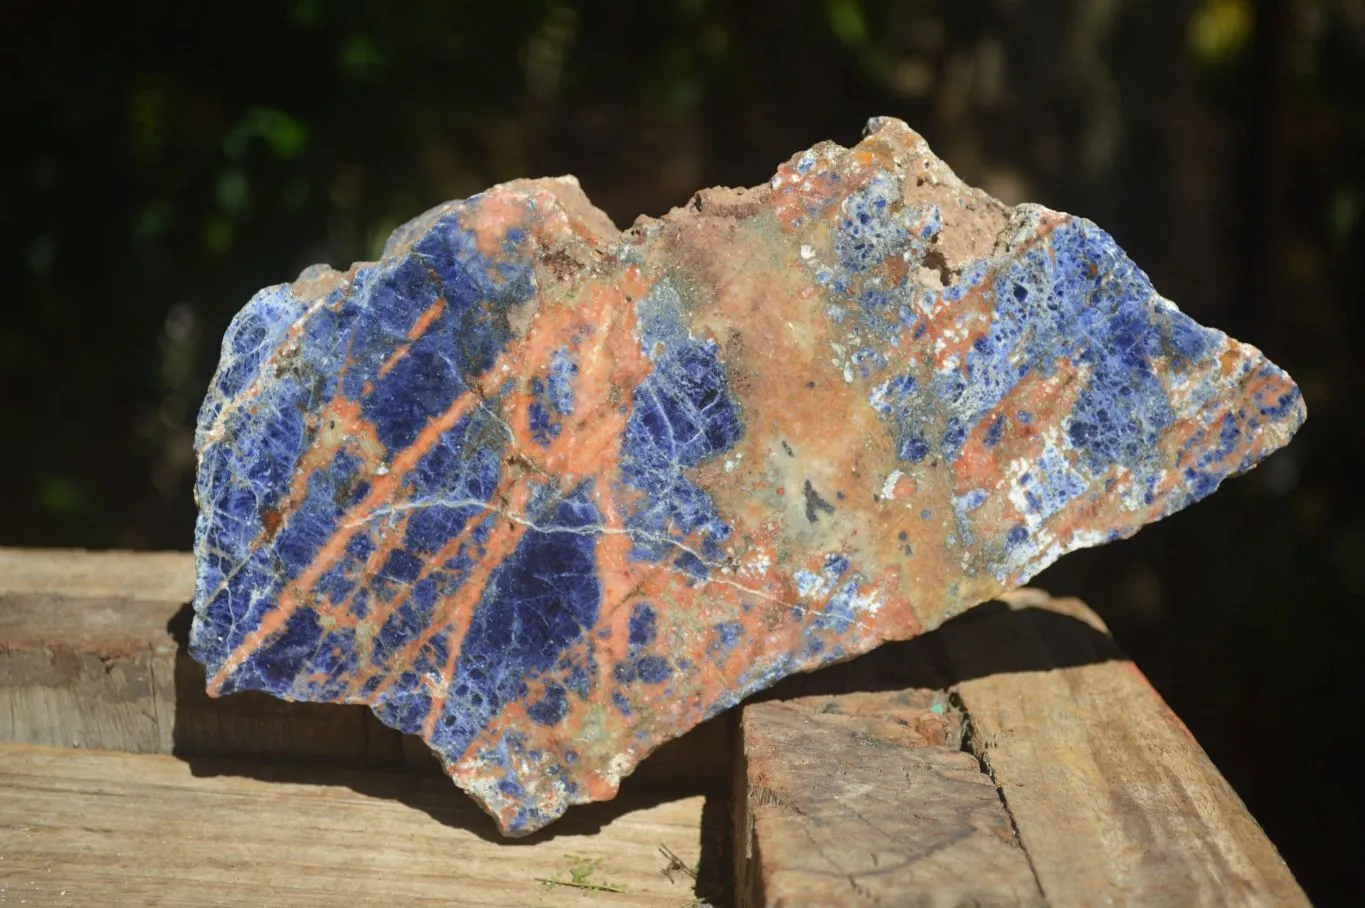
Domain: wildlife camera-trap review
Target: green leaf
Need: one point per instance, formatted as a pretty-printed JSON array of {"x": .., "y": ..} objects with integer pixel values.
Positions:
[{"x": 847, "y": 21}]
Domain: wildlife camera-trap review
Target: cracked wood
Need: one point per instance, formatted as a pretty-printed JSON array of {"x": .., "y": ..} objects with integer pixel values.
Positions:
[{"x": 868, "y": 799}]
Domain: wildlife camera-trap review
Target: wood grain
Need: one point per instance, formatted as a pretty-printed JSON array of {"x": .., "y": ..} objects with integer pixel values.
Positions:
[
  {"x": 95, "y": 828},
  {"x": 92, "y": 654},
  {"x": 85, "y": 656},
  {"x": 867, "y": 799},
  {"x": 1113, "y": 799}
]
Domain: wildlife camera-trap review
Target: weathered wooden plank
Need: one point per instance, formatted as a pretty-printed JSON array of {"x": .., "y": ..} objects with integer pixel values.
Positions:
[
  {"x": 867, "y": 799},
  {"x": 85, "y": 656},
  {"x": 92, "y": 655},
  {"x": 98, "y": 828},
  {"x": 112, "y": 577},
  {"x": 89, "y": 657},
  {"x": 1112, "y": 797}
]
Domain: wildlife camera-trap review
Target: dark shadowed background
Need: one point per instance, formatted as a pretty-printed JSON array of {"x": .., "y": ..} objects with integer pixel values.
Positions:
[{"x": 164, "y": 160}]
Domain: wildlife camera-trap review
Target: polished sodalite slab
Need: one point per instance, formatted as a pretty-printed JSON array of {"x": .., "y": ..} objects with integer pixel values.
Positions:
[{"x": 548, "y": 495}]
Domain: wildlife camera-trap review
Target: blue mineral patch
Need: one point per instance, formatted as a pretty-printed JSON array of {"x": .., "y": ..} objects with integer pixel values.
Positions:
[
  {"x": 1281, "y": 406},
  {"x": 641, "y": 666},
  {"x": 540, "y": 601},
  {"x": 992, "y": 437},
  {"x": 550, "y": 708},
  {"x": 963, "y": 505},
  {"x": 477, "y": 294},
  {"x": 643, "y": 626},
  {"x": 552, "y": 397},
  {"x": 559, "y": 385},
  {"x": 246, "y": 592},
  {"x": 460, "y": 300},
  {"x": 874, "y": 227},
  {"x": 254, "y": 336},
  {"x": 725, "y": 636},
  {"x": 867, "y": 234},
  {"x": 452, "y": 482},
  {"x": 1076, "y": 296},
  {"x": 840, "y": 612},
  {"x": 684, "y": 415},
  {"x": 1053, "y": 484},
  {"x": 892, "y": 394},
  {"x": 653, "y": 669}
]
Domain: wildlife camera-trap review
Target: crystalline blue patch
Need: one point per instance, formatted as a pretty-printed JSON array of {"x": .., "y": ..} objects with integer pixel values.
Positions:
[
  {"x": 953, "y": 436},
  {"x": 933, "y": 223},
  {"x": 336, "y": 585},
  {"x": 559, "y": 385},
  {"x": 407, "y": 706},
  {"x": 1057, "y": 483},
  {"x": 470, "y": 474},
  {"x": 871, "y": 230},
  {"x": 360, "y": 324},
  {"x": 537, "y": 603},
  {"x": 1229, "y": 436},
  {"x": 401, "y": 566},
  {"x": 838, "y": 614},
  {"x": 268, "y": 445},
  {"x": 463, "y": 341},
  {"x": 336, "y": 661},
  {"x": 274, "y": 666},
  {"x": 864, "y": 240},
  {"x": 892, "y": 394},
  {"x": 969, "y": 501},
  {"x": 653, "y": 669},
  {"x": 453, "y": 481},
  {"x": 578, "y": 675},
  {"x": 411, "y": 618},
  {"x": 963, "y": 505},
  {"x": 251, "y": 339},
  {"x": 1209, "y": 470},
  {"x": 683, "y": 415},
  {"x": 1186, "y": 342},
  {"x": 1098, "y": 310},
  {"x": 1075, "y": 296},
  {"x": 543, "y": 426},
  {"x": 725, "y": 636},
  {"x": 642, "y": 630},
  {"x": 552, "y": 397},
  {"x": 1281, "y": 406},
  {"x": 992, "y": 436},
  {"x": 237, "y": 603},
  {"x": 643, "y": 625},
  {"x": 551, "y": 708},
  {"x": 912, "y": 448}
]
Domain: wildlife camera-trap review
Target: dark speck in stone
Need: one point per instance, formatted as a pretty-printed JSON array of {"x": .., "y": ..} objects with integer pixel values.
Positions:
[{"x": 815, "y": 503}]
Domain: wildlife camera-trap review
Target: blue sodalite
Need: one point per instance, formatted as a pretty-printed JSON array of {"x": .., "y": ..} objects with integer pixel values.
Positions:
[
  {"x": 241, "y": 484},
  {"x": 684, "y": 414},
  {"x": 547, "y": 494}
]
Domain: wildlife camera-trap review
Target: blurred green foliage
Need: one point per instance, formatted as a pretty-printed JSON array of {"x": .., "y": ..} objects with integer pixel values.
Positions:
[{"x": 168, "y": 159}]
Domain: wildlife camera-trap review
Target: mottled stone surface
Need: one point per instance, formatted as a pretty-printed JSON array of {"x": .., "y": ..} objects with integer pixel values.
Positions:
[{"x": 548, "y": 494}]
